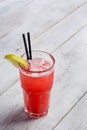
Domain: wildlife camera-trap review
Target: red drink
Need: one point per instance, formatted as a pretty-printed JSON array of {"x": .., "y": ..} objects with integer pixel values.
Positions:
[{"x": 37, "y": 83}]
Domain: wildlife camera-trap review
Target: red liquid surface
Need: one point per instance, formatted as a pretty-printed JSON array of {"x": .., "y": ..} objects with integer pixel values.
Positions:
[{"x": 36, "y": 90}]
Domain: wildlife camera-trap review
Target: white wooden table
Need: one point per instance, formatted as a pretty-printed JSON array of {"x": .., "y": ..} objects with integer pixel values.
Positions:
[{"x": 58, "y": 27}]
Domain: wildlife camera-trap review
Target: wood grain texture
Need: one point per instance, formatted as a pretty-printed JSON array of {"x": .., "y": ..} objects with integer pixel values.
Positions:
[
  {"x": 58, "y": 27},
  {"x": 30, "y": 10},
  {"x": 77, "y": 118}
]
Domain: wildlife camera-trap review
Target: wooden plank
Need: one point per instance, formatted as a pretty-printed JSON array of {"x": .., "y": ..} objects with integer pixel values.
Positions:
[
  {"x": 31, "y": 10},
  {"x": 79, "y": 38},
  {"x": 65, "y": 93},
  {"x": 11, "y": 15},
  {"x": 69, "y": 27},
  {"x": 77, "y": 118},
  {"x": 8, "y": 76},
  {"x": 38, "y": 21},
  {"x": 10, "y": 106}
]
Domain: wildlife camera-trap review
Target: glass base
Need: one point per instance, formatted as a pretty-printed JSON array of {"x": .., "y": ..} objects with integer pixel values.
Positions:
[
  {"x": 35, "y": 115},
  {"x": 36, "y": 104}
]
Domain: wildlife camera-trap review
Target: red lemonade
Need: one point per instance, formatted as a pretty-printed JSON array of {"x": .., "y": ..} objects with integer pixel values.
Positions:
[{"x": 37, "y": 82}]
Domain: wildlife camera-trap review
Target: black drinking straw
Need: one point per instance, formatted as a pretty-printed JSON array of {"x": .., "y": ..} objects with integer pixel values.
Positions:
[
  {"x": 29, "y": 44},
  {"x": 28, "y": 53}
]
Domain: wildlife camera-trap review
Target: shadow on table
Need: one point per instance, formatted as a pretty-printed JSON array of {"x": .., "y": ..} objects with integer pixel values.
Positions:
[{"x": 17, "y": 118}]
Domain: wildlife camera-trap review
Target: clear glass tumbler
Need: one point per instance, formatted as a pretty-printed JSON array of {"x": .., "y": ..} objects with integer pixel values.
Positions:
[{"x": 37, "y": 82}]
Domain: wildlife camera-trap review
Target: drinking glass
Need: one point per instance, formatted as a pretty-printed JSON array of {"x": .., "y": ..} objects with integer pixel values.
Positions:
[{"x": 37, "y": 82}]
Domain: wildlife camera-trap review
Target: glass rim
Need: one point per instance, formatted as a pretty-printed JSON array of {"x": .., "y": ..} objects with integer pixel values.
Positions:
[{"x": 53, "y": 62}]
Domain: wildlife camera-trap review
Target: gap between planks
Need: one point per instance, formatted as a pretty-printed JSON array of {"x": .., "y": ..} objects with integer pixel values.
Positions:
[
  {"x": 59, "y": 21},
  {"x": 73, "y": 35},
  {"x": 69, "y": 110},
  {"x": 10, "y": 86},
  {"x": 13, "y": 29}
]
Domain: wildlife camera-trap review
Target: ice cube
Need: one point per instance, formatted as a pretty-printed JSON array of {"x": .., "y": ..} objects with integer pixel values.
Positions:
[
  {"x": 39, "y": 64},
  {"x": 35, "y": 64},
  {"x": 45, "y": 65}
]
